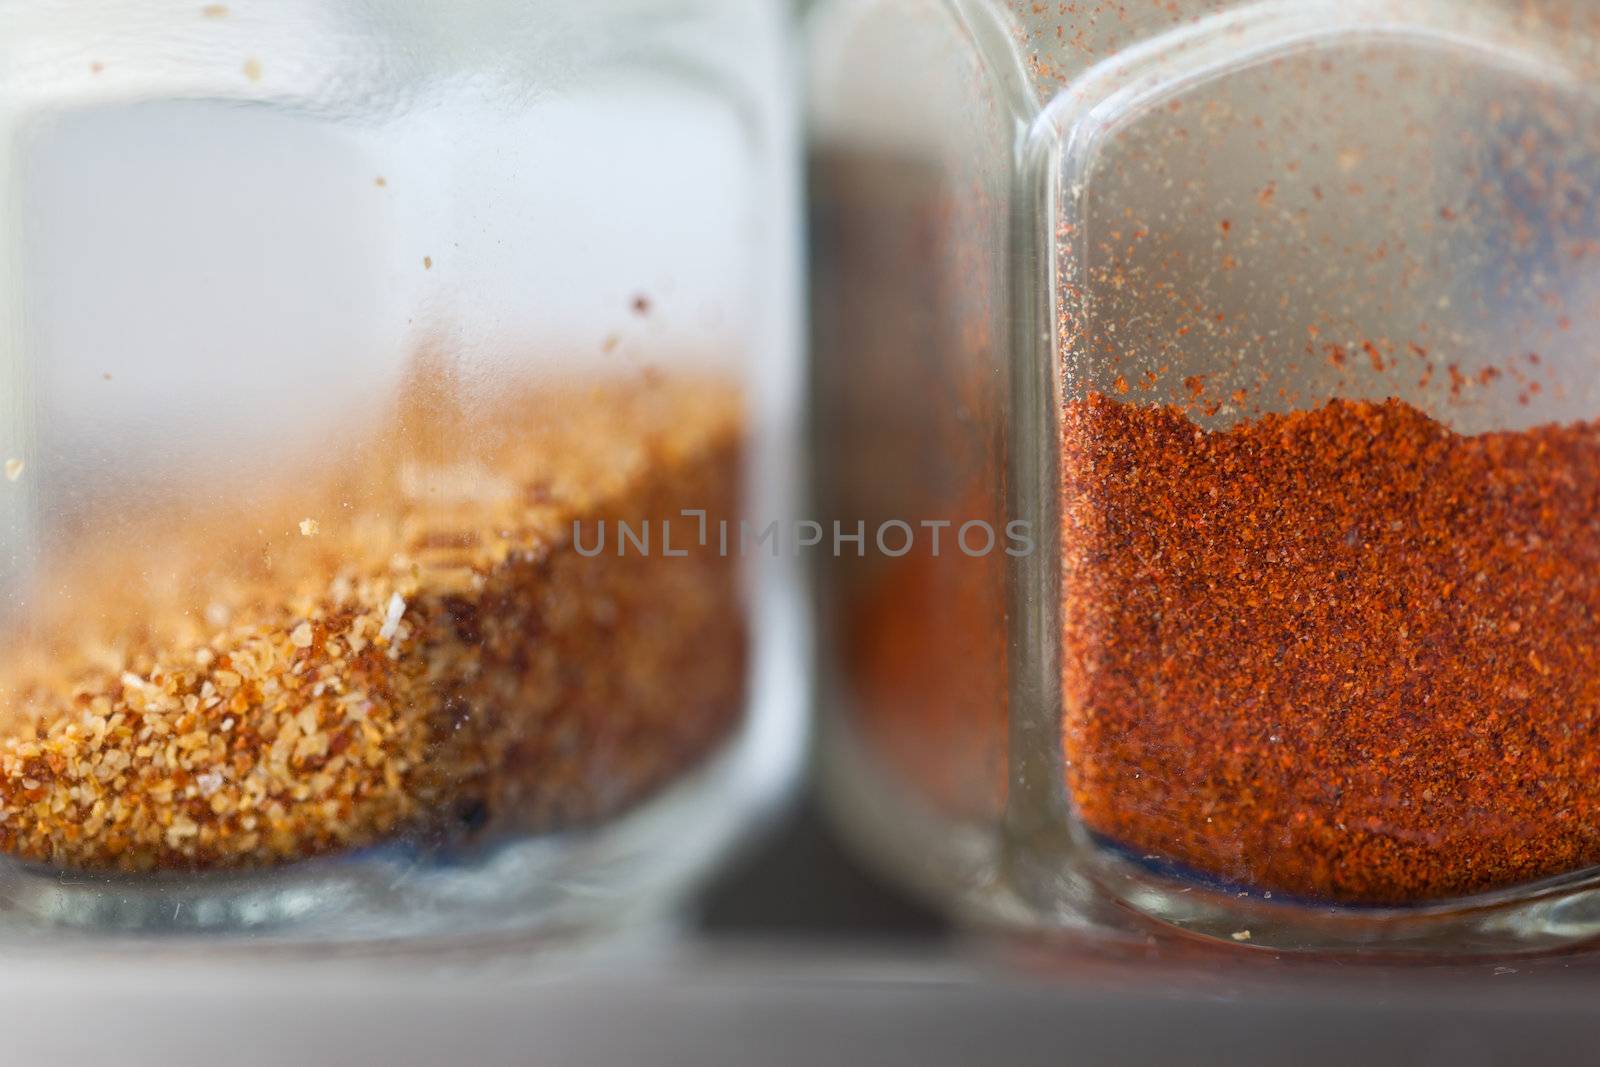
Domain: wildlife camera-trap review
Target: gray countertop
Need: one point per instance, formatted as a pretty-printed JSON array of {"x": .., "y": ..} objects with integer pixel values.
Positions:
[{"x": 796, "y": 957}]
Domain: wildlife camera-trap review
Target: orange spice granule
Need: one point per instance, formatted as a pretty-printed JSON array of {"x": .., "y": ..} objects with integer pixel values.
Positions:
[{"x": 437, "y": 661}]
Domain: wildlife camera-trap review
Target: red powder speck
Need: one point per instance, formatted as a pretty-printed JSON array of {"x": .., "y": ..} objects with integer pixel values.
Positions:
[{"x": 1373, "y": 355}]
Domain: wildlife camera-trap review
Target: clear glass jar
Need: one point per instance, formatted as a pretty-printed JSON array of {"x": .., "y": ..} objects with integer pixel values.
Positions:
[
  {"x": 1273, "y": 327},
  {"x": 374, "y": 373}
]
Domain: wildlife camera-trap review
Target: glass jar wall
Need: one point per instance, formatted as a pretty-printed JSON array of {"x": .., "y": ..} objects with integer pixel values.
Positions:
[
  {"x": 1273, "y": 326},
  {"x": 374, "y": 373}
]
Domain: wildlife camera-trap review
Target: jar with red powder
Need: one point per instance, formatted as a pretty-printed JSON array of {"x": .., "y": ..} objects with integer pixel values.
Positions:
[{"x": 1262, "y": 340}]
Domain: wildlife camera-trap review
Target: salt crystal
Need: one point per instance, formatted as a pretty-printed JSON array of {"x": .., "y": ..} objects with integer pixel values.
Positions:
[{"x": 391, "y": 618}]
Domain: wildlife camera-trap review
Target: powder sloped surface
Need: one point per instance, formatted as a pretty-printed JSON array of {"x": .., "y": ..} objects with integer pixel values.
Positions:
[{"x": 406, "y": 643}]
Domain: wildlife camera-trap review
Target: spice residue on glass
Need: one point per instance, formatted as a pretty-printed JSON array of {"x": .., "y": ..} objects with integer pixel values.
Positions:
[
  {"x": 1345, "y": 653},
  {"x": 407, "y": 644}
]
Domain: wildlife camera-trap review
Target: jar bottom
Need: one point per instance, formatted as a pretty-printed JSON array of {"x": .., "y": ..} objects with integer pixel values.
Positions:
[
  {"x": 1550, "y": 915},
  {"x": 1044, "y": 880},
  {"x": 623, "y": 872}
]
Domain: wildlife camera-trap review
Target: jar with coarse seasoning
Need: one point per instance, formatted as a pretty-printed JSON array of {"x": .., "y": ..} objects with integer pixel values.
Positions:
[
  {"x": 376, "y": 379},
  {"x": 1265, "y": 338}
]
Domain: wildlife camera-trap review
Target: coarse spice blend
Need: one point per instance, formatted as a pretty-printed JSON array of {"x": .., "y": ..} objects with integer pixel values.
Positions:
[
  {"x": 1342, "y": 654},
  {"x": 403, "y": 646}
]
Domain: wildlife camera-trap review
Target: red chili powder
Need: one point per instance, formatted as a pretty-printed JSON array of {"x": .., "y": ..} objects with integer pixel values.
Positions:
[{"x": 1343, "y": 654}]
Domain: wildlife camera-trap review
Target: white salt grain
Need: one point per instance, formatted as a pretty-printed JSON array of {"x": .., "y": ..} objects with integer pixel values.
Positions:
[{"x": 391, "y": 618}]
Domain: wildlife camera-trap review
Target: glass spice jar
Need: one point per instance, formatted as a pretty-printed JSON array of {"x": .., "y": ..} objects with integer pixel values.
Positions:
[
  {"x": 374, "y": 373},
  {"x": 1269, "y": 330}
]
